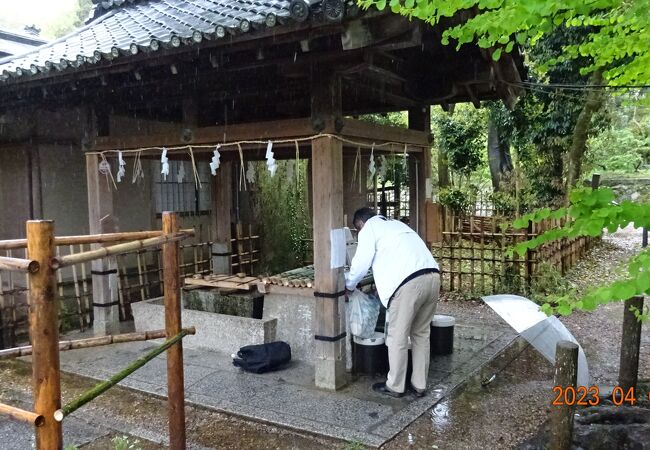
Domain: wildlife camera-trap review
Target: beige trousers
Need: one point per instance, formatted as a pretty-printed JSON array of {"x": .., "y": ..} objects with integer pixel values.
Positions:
[{"x": 410, "y": 315}]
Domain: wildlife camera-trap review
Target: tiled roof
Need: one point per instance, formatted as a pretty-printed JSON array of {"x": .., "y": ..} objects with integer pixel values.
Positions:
[
  {"x": 127, "y": 27},
  {"x": 13, "y": 43}
]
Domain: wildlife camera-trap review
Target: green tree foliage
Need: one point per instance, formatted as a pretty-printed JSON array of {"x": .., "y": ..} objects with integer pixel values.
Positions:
[
  {"x": 624, "y": 144},
  {"x": 462, "y": 139},
  {"x": 617, "y": 40},
  {"x": 280, "y": 213},
  {"x": 590, "y": 212},
  {"x": 542, "y": 123}
]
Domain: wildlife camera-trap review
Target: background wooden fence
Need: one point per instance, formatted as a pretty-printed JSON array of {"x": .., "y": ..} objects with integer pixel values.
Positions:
[{"x": 473, "y": 252}]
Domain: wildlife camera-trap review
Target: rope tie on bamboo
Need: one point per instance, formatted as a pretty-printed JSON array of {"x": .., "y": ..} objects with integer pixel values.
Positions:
[
  {"x": 297, "y": 166},
  {"x": 102, "y": 387},
  {"x": 195, "y": 171},
  {"x": 242, "y": 171}
]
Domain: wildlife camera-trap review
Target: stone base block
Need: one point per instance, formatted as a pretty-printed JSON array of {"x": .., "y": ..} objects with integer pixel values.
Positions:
[{"x": 218, "y": 332}]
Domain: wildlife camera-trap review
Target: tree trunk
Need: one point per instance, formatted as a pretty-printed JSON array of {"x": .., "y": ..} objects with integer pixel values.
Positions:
[
  {"x": 593, "y": 102},
  {"x": 443, "y": 170},
  {"x": 499, "y": 158}
]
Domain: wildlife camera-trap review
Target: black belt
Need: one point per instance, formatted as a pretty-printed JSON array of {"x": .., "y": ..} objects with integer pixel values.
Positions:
[{"x": 411, "y": 277}]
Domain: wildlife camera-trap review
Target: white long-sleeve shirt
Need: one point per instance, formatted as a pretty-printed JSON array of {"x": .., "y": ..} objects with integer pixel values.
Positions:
[{"x": 393, "y": 250}]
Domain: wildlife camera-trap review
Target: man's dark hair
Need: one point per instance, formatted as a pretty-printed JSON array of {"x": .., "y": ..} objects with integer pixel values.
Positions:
[{"x": 363, "y": 214}]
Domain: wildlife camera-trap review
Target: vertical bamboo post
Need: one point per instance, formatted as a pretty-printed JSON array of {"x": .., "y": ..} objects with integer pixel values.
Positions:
[
  {"x": 172, "y": 295},
  {"x": 529, "y": 256},
  {"x": 566, "y": 374},
  {"x": 44, "y": 333},
  {"x": 630, "y": 344}
]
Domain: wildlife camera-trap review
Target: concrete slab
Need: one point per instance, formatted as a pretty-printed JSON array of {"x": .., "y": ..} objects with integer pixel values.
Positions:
[
  {"x": 214, "y": 331},
  {"x": 289, "y": 398}
]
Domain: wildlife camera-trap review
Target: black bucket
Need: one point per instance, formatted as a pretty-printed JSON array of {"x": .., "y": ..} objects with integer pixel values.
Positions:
[
  {"x": 370, "y": 356},
  {"x": 442, "y": 335}
]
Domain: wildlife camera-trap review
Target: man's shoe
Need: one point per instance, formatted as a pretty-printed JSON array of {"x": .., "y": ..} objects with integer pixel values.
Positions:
[
  {"x": 418, "y": 393},
  {"x": 382, "y": 389}
]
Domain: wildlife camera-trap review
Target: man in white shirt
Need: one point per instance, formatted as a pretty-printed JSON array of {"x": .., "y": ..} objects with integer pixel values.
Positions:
[{"x": 408, "y": 283}]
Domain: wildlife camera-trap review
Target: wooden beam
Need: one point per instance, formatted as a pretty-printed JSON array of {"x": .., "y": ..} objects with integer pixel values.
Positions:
[
  {"x": 420, "y": 170},
  {"x": 327, "y": 191},
  {"x": 354, "y": 128},
  {"x": 381, "y": 93},
  {"x": 276, "y": 129},
  {"x": 221, "y": 219}
]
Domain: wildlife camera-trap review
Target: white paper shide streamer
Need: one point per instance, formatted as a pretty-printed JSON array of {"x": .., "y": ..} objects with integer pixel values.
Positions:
[
  {"x": 121, "y": 171},
  {"x": 371, "y": 166},
  {"x": 180, "y": 176},
  {"x": 383, "y": 167},
  {"x": 164, "y": 163},
  {"x": 250, "y": 173},
  {"x": 271, "y": 163},
  {"x": 290, "y": 171},
  {"x": 216, "y": 161}
]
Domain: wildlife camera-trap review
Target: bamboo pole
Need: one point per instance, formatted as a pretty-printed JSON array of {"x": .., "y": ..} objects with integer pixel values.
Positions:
[
  {"x": 93, "y": 342},
  {"x": 18, "y": 265},
  {"x": 24, "y": 416},
  {"x": 172, "y": 296},
  {"x": 44, "y": 333},
  {"x": 118, "y": 249},
  {"x": 103, "y": 238},
  {"x": 102, "y": 387}
]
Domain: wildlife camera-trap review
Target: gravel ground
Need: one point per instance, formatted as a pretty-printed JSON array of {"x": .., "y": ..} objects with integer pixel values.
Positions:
[{"x": 122, "y": 412}]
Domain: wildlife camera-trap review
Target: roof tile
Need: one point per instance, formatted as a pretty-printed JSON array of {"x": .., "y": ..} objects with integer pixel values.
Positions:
[{"x": 119, "y": 24}]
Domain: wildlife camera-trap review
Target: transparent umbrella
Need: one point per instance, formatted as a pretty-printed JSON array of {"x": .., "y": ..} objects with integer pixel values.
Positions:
[{"x": 543, "y": 332}]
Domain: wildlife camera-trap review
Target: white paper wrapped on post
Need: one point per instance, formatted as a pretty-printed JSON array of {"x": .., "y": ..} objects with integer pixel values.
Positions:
[{"x": 337, "y": 248}]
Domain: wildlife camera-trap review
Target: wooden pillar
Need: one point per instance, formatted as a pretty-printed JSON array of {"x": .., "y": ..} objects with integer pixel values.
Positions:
[
  {"x": 327, "y": 191},
  {"x": 175, "y": 383},
  {"x": 628, "y": 373},
  {"x": 104, "y": 271},
  {"x": 221, "y": 219},
  {"x": 420, "y": 171},
  {"x": 44, "y": 333},
  {"x": 566, "y": 374}
]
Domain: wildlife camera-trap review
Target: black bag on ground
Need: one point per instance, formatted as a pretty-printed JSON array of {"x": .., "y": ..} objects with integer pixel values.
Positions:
[{"x": 263, "y": 357}]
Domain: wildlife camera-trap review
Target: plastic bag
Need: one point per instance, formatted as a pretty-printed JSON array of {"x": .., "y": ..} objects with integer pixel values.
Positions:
[{"x": 364, "y": 311}]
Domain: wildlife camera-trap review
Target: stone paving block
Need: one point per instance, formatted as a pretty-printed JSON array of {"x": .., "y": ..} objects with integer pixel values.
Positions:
[{"x": 288, "y": 397}]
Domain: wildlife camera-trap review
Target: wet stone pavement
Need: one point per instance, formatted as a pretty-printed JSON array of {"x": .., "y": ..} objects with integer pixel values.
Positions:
[{"x": 288, "y": 398}]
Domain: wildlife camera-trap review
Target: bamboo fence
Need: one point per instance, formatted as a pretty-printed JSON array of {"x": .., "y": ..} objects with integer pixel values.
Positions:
[
  {"x": 473, "y": 254},
  {"x": 139, "y": 278}
]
